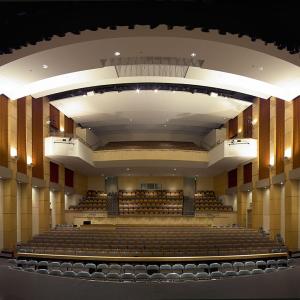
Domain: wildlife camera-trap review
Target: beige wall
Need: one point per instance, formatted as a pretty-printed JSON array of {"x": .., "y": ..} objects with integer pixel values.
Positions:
[
  {"x": 96, "y": 183},
  {"x": 134, "y": 183},
  {"x": 205, "y": 184}
]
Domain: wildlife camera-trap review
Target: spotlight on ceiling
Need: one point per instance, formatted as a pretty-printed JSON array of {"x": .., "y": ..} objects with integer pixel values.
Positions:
[
  {"x": 193, "y": 54},
  {"x": 45, "y": 66},
  {"x": 117, "y": 53}
]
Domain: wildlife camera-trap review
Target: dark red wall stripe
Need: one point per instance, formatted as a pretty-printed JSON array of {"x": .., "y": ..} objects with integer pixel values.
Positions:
[
  {"x": 280, "y": 129},
  {"x": 247, "y": 170},
  {"x": 264, "y": 138},
  {"x": 3, "y": 131},
  {"x": 21, "y": 136},
  {"x": 233, "y": 128},
  {"x": 54, "y": 172},
  {"x": 37, "y": 139},
  {"x": 247, "y": 122},
  {"x": 232, "y": 178},
  {"x": 296, "y": 133},
  {"x": 69, "y": 177}
]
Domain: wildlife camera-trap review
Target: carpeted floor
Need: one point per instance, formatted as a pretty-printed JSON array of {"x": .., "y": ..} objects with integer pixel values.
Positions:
[{"x": 19, "y": 285}]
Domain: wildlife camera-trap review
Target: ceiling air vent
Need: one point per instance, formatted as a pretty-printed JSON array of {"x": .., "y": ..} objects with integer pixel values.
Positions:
[{"x": 152, "y": 66}]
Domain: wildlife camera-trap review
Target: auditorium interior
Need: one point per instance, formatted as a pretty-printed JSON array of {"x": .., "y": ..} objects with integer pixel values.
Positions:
[{"x": 153, "y": 157}]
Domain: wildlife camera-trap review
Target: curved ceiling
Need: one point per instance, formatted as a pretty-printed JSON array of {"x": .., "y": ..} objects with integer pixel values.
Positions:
[{"x": 79, "y": 64}]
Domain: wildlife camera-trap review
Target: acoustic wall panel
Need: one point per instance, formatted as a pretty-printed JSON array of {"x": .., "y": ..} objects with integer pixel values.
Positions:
[
  {"x": 247, "y": 170},
  {"x": 21, "y": 136},
  {"x": 280, "y": 129},
  {"x": 69, "y": 177},
  {"x": 296, "y": 133},
  {"x": 247, "y": 122},
  {"x": 232, "y": 178},
  {"x": 233, "y": 128},
  {"x": 264, "y": 138},
  {"x": 54, "y": 172},
  {"x": 37, "y": 139},
  {"x": 3, "y": 131}
]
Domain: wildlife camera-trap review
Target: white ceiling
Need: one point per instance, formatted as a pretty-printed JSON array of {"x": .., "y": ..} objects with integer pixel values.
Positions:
[
  {"x": 77, "y": 64},
  {"x": 149, "y": 111}
]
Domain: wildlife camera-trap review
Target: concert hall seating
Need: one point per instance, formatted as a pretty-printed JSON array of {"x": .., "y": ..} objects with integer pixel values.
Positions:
[
  {"x": 143, "y": 202},
  {"x": 94, "y": 200},
  {"x": 141, "y": 241},
  {"x": 207, "y": 201}
]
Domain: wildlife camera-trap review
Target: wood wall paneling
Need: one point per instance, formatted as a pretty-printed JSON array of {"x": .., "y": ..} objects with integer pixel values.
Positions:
[
  {"x": 247, "y": 170},
  {"x": 4, "y": 152},
  {"x": 69, "y": 177},
  {"x": 296, "y": 133},
  {"x": 280, "y": 129},
  {"x": 21, "y": 136},
  {"x": 69, "y": 126},
  {"x": 54, "y": 172},
  {"x": 233, "y": 128},
  {"x": 232, "y": 178},
  {"x": 247, "y": 122},
  {"x": 54, "y": 117},
  {"x": 37, "y": 139},
  {"x": 264, "y": 138}
]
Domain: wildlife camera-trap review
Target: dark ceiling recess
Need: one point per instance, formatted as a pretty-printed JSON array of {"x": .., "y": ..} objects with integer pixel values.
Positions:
[
  {"x": 146, "y": 86},
  {"x": 25, "y": 23}
]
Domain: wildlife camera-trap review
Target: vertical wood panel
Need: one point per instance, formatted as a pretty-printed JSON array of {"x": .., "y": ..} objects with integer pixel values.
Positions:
[
  {"x": 247, "y": 173},
  {"x": 233, "y": 128},
  {"x": 3, "y": 131},
  {"x": 232, "y": 178},
  {"x": 54, "y": 117},
  {"x": 54, "y": 172},
  {"x": 247, "y": 122},
  {"x": 21, "y": 136},
  {"x": 264, "y": 138},
  {"x": 280, "y": 129},
  {"x": 296, "y": 133},
  {"x": 37, "y": 139},
  {"x": 69, "y": 177},
  {"x": 69, "y": 126}
]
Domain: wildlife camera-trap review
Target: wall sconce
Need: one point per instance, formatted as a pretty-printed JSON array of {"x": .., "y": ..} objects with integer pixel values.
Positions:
[
  {"x": 287, "y": 153},
  {"x": 13, "y": 153},
  {"x": 240, "y": 130},
  {"x": 272, "y": 162},
  {"x": 61, "y": 129},
  {"x": 254, "y": 121},
  {"x": 29, "y": 161}
]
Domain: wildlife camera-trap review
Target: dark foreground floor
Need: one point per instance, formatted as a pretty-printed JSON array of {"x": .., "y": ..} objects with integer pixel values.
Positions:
[{"x": 18, "y": 285}]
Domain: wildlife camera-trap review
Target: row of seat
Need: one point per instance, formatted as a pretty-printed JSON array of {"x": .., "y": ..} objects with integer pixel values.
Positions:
[
  {"x": 144, "y": 277},
  {"x": 151, "y": 268},
  {"x": 151, "y": 241}
]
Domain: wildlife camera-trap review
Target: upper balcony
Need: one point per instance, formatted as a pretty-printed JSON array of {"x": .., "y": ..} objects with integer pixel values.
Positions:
[{"x": 183, "y": 157}]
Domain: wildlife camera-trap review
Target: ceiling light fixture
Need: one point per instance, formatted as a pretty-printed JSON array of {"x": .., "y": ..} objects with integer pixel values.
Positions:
[
  {"x": 193, "y": 54},
  {"x": 117, "y": 53},
  {"x": 90, "y": 93},
  {"x": 45, "y": 66}
]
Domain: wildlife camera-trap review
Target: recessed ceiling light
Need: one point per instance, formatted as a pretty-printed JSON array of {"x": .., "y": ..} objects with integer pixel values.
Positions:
[
  {"x": 45, "y": 66},
  {"x": 193, "y": 54},
  {"x": 261, "y": 69},
  {"x": 117, "y": 53},
  {"x": 156, "y": 90},
  {"x": 89, "y": 128},
  {"x": 174, "y": 169},
  {"x": 137, "y": 90},
  {"x": 90, "y": 93}
]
